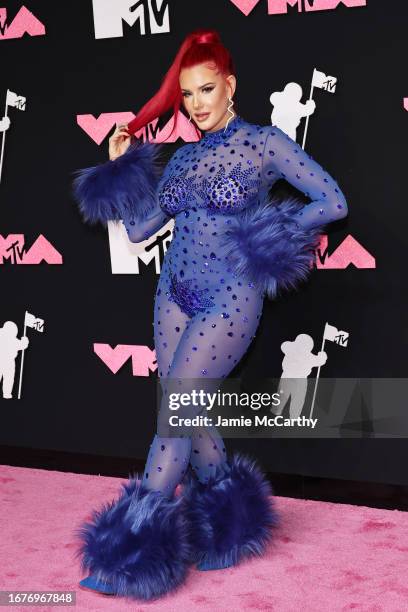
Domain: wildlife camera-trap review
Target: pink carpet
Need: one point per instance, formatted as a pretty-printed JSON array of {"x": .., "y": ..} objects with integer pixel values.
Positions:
[{"x": 328, "y": 557}]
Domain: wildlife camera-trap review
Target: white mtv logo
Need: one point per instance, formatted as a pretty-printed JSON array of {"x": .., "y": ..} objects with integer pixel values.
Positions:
[
  {"x": 109, "y": 16},
  {"x": 126, "y": 256}
]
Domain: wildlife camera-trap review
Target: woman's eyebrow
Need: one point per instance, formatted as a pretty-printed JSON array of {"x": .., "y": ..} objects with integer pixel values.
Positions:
[{"x": 201, "y": 86}]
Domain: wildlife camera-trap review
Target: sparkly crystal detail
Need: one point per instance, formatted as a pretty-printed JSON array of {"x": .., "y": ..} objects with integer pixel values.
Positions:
[
  {"x": 191, "y": 301},
  {"x": 177, "y": 192},
  {"x": 225, "y": 192}
]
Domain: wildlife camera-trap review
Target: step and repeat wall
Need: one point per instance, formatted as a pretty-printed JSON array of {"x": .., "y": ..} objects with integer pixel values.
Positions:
[{"x": 78, "y": 369}]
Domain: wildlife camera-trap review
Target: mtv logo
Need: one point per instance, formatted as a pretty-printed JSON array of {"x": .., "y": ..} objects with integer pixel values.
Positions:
[
  {"x": 23, "y": 23},
  {"x": 127, "y": 256},
  {"x": 98, "y": 128},
  {"x": 341, "y": 338},
  {"x": 152, "y": 15},
  {"x": 12, "y": 248},
  {"x": 349, "y": 252},
  {"x": 143, "y": 359},
  {"x": 280, "y": 7},
  {"x": 39, "y": 325}
]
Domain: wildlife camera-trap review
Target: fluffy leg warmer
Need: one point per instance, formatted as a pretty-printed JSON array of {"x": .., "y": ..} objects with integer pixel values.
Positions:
[
  {"x": 137, "y": 544},
  {"x": 232, "y": 517}
]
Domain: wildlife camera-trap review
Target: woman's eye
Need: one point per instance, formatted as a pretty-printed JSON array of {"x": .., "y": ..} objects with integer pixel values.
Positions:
[{"x": 206, "y": 89}]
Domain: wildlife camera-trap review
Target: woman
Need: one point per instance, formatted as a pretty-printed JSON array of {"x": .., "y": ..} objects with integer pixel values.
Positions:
[{"x": 232, "y": 245}]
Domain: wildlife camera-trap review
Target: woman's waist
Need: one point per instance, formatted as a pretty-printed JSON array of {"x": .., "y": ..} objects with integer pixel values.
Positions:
[{"x": 185, "y": 259}]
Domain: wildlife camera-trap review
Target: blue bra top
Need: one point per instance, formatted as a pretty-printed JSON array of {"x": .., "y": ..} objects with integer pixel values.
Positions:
[{"x": 225, "y": 169}]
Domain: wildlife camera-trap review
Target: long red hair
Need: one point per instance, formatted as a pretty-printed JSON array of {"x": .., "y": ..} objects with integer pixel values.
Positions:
[{"x": 200, "y": 46}]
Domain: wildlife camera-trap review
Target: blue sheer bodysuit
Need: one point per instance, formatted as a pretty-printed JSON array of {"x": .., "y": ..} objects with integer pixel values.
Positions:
[{"x": 205, "y": 315}]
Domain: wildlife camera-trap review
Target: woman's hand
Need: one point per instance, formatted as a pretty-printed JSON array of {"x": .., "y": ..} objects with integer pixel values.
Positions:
[{"x": 119, "y": 142}]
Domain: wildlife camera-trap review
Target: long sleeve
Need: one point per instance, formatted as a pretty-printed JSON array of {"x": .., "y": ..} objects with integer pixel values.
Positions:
[
  {"x": 284, "y": 158},
  {"x": 141, "y": 229}
]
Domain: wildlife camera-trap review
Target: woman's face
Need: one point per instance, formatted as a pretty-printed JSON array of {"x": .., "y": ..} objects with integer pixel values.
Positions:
[{"x": 205, "y": 93}]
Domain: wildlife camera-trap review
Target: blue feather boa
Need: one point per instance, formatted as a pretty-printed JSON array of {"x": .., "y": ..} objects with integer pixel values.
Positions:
[
  {"x": 266, "y": 246},
  {"x": 232, "y": 517},
  {"x": 137, "y": 544},
  {"x": 121, "y": 187}
]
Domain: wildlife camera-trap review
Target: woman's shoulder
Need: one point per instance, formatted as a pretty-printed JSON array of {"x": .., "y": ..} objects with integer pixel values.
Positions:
[
  {"x": 258, "y": 136},
  {"x": 271, "y": 133},
  {"x": 261, "y": 127},
  {"x": 260, "y": 131}
]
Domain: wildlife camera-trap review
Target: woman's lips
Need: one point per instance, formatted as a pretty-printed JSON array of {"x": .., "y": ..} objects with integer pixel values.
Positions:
[{"x": 202, "y": 117}]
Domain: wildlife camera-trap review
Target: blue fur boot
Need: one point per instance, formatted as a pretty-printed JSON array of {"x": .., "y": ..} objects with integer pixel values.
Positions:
[
  {"x": 136, "y": 546},
  {"x": 232, "y": 517}
]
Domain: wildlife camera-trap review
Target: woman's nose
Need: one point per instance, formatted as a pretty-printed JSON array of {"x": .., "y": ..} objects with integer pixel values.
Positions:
[{"x": 196, "y": 102}]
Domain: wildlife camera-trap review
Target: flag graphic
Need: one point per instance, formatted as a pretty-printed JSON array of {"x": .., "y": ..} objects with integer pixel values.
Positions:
[
  {"x": 322, "y": 81},
  {"x": 335, "y": 335},
  {"x": 13, "y": 99},
  {"x": 31, "y": 320}
]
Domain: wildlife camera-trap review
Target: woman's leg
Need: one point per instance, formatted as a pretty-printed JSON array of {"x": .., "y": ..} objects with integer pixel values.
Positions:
[
  {"x": 229, "y": 505},
  {"x": 205, "y": 347},
  {"x": 209, "y": 349},
  {"x": 208, "y": 455},
  {"x": 168, "y": 457},
  {"x": 138, "y": 545}
]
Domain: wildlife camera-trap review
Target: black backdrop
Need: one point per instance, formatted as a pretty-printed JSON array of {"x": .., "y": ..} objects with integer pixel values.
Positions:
[{"x": 70, "y": 400}]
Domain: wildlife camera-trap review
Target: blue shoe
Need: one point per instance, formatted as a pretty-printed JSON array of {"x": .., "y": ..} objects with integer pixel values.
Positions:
[
  {"x": 206, "y": 565},
  {"x": 90, "y": 582}
]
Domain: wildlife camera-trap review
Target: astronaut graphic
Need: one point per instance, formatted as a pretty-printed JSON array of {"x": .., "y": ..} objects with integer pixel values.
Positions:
[
  {"x": 4, "y": 124},
  {"x": 296, "y": 367},
  {"x": 288, "y": 109},
  {"x": 9, "y": 347},
  {"x": 12, "y": 100}
]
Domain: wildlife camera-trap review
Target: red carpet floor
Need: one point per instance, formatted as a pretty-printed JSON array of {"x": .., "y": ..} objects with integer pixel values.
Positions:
[{"x": 326, "y": 557}]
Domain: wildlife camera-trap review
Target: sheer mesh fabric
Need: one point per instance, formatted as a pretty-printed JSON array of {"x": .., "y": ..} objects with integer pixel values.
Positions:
[{"x": 205, "y": 316}]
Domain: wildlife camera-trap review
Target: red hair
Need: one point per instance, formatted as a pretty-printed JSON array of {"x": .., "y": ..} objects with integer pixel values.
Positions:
[{"x": 200, "y": 46}]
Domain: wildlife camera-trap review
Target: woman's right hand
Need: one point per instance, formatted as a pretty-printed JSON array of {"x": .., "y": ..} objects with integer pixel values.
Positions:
[{"x": 119, "y": 142}]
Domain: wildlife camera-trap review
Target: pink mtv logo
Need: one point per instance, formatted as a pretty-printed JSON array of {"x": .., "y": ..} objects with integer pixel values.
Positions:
[
  {"x": 143, "y": 358},
  {"x": 13, "y": 249},
  {"x": 23, "y": 23},
  {"x": 279, "y": 7},
  {"x": 348, "y": 252},
  {"x": 99, "y": 128}
]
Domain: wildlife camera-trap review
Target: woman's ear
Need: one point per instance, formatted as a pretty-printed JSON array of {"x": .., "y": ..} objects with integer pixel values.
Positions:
[{"x": 232, "y": 82}]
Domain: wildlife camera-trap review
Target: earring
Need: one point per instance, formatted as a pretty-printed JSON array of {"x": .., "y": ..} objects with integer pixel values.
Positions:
[
  {"x": 190, "y": 116},
  {"x": 231, "y": 104}
]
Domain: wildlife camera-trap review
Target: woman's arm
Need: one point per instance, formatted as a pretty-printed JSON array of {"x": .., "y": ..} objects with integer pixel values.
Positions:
[
  {"x": 284, "y": 158},
  {"x": 139, "y": 230}
]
